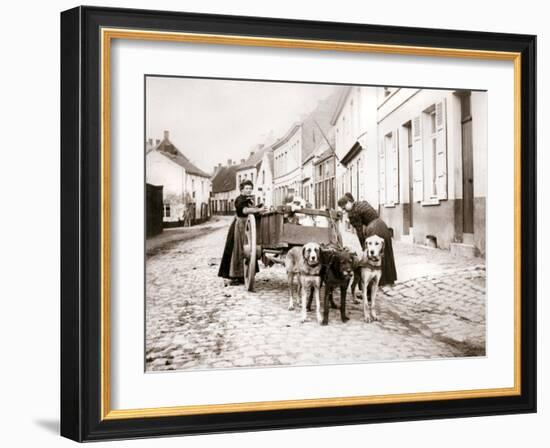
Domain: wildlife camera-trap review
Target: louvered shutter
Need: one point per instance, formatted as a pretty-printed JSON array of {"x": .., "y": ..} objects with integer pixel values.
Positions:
[
  {"x": 441, "y": 148},
  {"x": 418, "y": 177},
  {"x": 382, "y": 171},
  {"x": 395, "y": 167}
]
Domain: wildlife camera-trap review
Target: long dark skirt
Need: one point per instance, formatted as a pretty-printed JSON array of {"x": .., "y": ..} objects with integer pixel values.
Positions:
[
  {"x": 231, "y": 265},
  {"x": 379, "y": 227}
]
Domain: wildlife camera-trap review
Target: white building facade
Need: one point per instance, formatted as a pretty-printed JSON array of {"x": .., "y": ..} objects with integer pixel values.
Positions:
[
  {"x": 433, "y": 166},
  {"x": 287, "y": 159},
  {"x": 186, "y": 188},
  {"x": 308, "y": 187},
  {"x": 355, "y": 133},
  {"x": 263, "y": 187}
]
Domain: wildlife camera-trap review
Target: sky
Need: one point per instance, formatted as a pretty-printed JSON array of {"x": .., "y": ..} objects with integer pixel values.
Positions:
[{"x": 212, "y": 120}]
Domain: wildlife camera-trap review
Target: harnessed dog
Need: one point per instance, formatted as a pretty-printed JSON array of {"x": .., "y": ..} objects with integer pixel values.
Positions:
[
  {"x": 336, "y": 272},
  {"x": 305, "y": 264},
  {"x": 371, "y": 272}
]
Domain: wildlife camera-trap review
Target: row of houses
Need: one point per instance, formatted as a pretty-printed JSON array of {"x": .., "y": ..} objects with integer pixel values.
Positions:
[
  {"x": 417, "y": 155},
  {"x": 285, "y": 166}
]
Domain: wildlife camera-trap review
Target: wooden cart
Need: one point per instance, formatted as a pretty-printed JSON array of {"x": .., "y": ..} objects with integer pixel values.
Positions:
[{"x": 270, "y": 235}]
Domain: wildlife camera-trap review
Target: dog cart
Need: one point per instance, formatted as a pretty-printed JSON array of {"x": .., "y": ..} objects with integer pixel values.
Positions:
[{"x": 270, "y": 235}]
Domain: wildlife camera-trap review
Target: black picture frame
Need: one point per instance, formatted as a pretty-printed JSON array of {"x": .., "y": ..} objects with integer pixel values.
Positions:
[{"x": 81, "y": 224}]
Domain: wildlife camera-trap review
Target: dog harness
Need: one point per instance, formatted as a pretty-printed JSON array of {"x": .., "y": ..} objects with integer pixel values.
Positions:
[
  {"x": 368, "y": 264},
  {"x": 374, "y": 266}
]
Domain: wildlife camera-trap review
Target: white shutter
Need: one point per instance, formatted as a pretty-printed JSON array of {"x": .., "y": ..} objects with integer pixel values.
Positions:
[
  {"x": 441, "y": 148},
  {"x": 382, "y": 171},
  {"x": 395, "y": 167},
  {"x": 418, "y": 176}
]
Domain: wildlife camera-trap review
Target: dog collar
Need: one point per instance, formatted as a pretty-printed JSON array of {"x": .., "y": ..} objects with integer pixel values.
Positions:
[{"x": 373, "y": 266}]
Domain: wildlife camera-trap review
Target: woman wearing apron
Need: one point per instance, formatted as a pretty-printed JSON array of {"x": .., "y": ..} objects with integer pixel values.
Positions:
[
  {"x": 361, "y": 214},
  {"x": 231, "y": 266}
]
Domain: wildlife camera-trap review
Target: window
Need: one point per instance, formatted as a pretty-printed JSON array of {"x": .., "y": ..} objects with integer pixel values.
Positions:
[
  {"x": 263, "y": 176},
  {"x": 429, "y": 148},
  {"x": 252, "y": 177},
  {"x": 434, "y": 168},
  {"x": 167, "y": 210},
  {"x": 328, "y": 168},
  {"x": 432, "y": 148}
]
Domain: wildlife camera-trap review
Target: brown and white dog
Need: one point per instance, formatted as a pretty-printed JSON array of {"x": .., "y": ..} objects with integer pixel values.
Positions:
[
  {"x": 371, "y": 271},
  {"x": 305, "y": 264}
]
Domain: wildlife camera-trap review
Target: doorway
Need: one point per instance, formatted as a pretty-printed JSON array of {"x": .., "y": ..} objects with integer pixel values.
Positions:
[
  {"x": 408, "y": 215},
  {"x": 467, "y": 166}
]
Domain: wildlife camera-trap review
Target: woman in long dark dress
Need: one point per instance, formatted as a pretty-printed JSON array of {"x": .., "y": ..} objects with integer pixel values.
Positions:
[
  {"x": 231, "y": 266},
  {"x": 361, "y": 214}
]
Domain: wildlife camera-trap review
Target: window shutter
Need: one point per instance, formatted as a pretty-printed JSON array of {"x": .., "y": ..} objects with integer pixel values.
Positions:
[
  {"x": 382, "y": 171},
  {"x": 441, "y": 148},
  {"x": 418, "y": 177},
  {"x": 395, "y": 167}
]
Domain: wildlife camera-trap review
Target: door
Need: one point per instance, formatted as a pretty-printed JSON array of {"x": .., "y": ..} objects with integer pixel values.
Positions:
[
  {"x": 467, "y": 164},
  {"x": 411, "y": 168},
  {"x": 409, "y": 184}
]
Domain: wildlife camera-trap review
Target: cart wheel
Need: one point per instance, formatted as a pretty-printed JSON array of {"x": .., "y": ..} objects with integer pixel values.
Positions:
[{"x": 250, "y": 253}]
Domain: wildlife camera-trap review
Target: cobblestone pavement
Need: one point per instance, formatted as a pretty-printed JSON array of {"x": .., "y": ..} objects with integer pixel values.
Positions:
[{"x": 193, "y": 321}]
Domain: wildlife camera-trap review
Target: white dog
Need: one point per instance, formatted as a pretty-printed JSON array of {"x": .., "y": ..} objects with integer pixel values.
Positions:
[
  {"x": 371, "y": 271},
  {"x": 305, "y": 264}
]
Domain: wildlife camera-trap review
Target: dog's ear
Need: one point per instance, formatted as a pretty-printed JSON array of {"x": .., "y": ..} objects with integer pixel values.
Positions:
[
  {"x": 304, "y": 252},
  {"x": 382, "y": 247}
]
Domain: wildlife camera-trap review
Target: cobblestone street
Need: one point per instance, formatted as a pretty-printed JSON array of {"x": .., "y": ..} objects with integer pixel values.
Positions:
[{"x": 435, "y": 310}]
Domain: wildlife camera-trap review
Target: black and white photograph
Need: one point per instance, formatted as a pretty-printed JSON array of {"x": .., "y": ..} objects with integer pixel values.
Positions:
[{"x": 294, "y": 224}]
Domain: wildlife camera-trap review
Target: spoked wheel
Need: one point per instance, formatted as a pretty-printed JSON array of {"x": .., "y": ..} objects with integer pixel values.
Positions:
[{"x": 250, "y": 253}]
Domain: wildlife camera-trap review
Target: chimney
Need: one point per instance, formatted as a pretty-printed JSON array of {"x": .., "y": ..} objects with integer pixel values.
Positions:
[
  {"x": 166, "y": 135},
  {"x": 219, "y": 165},
  {"x": 242, "y": 161},
  {"x": 157, "y": 141},
  {"x": 228, "y": 162},
  {"x": 251, "y": 153},
  {"x": 150, "y": 141}
]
